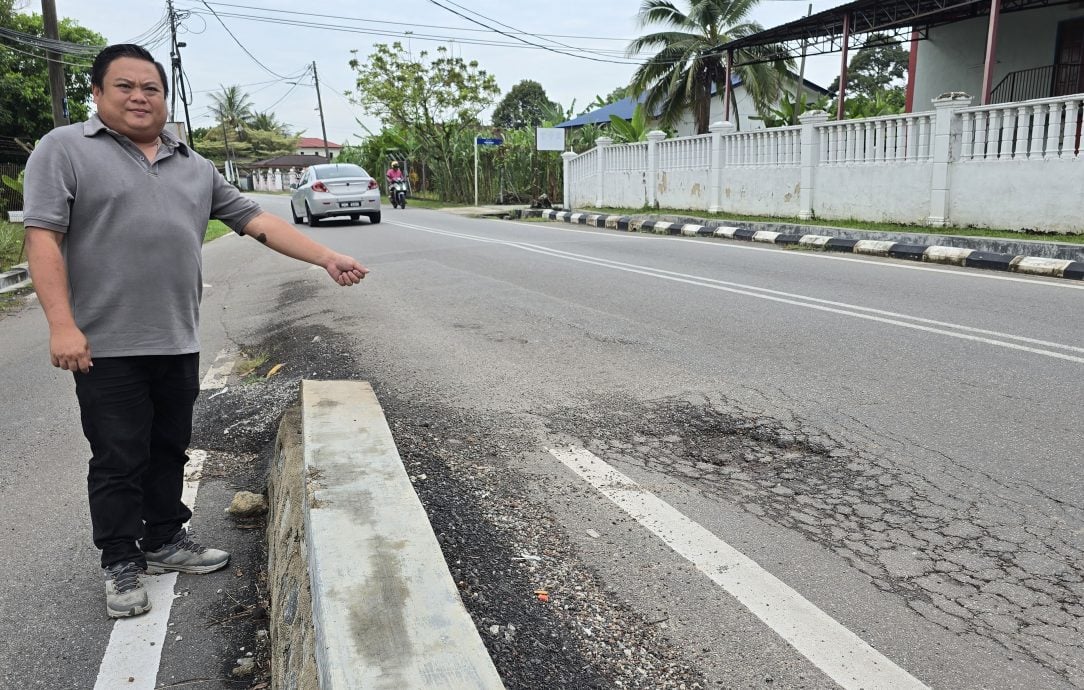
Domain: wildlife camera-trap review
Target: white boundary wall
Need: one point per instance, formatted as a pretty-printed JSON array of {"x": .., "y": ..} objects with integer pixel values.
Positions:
[{"x": 1016, "y": 165}]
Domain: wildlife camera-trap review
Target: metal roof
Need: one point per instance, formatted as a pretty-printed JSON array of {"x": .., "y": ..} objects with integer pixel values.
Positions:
[
  {"x": 625, "y": 107},
  {"x": 823, "y": 32}
]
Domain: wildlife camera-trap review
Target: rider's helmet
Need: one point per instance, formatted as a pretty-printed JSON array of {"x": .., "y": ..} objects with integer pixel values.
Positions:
[{"x": 395, "y": 164}]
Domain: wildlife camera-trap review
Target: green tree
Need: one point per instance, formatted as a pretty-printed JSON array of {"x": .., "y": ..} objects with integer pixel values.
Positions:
[
  {"x": 878, "y": 67},
  {"x": 435, "y": 100},
  {"x": 233, "y": 108},
  {"x": 25, "y": 104},
  {"x": 267, "y": 122},
  {"x": 681, "y": 74},
  {"x": 629, "y": 131},
  {"x": 525, "y": 105}
]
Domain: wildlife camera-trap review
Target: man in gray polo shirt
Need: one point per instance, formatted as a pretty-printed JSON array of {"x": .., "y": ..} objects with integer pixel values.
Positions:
[{"x": 115, "y": 213}]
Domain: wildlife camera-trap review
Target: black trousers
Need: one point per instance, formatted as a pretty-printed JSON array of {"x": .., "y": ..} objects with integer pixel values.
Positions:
[{"x": 137, "y": 416}]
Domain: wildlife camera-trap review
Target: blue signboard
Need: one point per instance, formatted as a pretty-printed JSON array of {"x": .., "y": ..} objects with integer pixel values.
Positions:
[{"x": 493, "y": 141}]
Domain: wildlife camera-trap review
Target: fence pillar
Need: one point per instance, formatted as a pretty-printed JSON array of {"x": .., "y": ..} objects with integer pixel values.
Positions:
[
  {"x": 653, "y": 139},
  {"x": 715, "y": 183},
  {"x": 944, "y": 151},
  {"x": 567, "y": 157},
  {"x": 600, "y": 144},
  {"x": 809, "y": 152}
]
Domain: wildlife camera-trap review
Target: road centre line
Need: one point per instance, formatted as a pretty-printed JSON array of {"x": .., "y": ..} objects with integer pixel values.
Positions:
[
  {"x": 854, "y": 311},
  {"x": 743, "y": 246},
  {"x": 830, "y": 646},
  {"x": 134, "y": 653}
]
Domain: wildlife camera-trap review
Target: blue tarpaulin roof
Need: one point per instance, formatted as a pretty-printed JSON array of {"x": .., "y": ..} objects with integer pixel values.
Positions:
[{"x": 626, "y": 106}]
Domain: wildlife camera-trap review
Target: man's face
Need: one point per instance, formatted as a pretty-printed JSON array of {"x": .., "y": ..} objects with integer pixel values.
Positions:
[{"x": 132, "y": 99}]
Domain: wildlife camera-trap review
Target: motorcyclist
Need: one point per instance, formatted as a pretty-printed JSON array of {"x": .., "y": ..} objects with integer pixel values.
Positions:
[{"x": 394, "y": 174}]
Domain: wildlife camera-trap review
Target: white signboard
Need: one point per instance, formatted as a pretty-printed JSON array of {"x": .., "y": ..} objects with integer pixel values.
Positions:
[{"x": 550, "y": 138}]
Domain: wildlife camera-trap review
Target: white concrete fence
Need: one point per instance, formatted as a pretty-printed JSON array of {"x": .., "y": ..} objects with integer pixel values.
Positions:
[
  {"x": 1014, "y": 165},
  {"x": 274, "y": 180}
]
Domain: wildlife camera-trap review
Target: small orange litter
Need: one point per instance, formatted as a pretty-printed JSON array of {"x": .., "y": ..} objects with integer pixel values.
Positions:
[{"x": 543, "y": 595}]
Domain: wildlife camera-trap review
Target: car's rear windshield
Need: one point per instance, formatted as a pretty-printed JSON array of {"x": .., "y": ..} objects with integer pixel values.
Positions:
[{"x": 344, "y": 170}]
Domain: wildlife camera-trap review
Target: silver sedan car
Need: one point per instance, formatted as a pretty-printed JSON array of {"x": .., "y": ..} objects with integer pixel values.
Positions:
[{"x": 335, "y": 189}]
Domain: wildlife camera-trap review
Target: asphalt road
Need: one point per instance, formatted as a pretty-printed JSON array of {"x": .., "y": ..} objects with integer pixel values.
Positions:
[{"x": 897, "y": 445}]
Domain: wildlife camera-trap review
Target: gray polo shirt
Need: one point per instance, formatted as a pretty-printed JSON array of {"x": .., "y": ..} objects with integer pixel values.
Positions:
[{"x": 133, "y": 233}]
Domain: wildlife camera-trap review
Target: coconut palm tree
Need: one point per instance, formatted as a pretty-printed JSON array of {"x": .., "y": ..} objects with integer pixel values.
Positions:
[
  {"x": 688, "y": 62},
  {"x": 267, "y": 122},
  {"x": 233, "y": 108}
]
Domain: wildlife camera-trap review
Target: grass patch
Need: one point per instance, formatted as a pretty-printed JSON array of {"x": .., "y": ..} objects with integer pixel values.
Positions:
[
  {"x": 11, "y": 245},
  {"x": 215, "y": 229},
  {"x": 424, "y": 202},
  {"x": 854, "y": 225},
  {"x": 247, "y": 366},
  {"x": 14, "y": 298}
]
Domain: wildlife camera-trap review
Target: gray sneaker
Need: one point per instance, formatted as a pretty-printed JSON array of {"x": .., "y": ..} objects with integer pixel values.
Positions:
[
  {"x": 124, "y": 593},
  {"x": 183, "y": 555}
]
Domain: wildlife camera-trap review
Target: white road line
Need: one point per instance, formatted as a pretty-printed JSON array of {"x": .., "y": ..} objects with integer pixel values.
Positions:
[
  {"x": 134, "y": 652},
  {"x": 835, "y": 650},
  {"x": 902, "y": 320},
  {"x": 219, "y": 372},
  {"x": 818, "y": 256}
]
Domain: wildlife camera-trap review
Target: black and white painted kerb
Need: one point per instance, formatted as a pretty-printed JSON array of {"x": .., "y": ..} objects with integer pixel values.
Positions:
[{"x": 957, "y": 256}]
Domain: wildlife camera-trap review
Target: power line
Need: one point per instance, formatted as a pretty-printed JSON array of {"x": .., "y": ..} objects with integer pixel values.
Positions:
[
  {"x": 411, "y": 24},
  {"x": 523, "y": 40},
  {"x": 242, "y": 46},
  {"x": 406, "y": 34}
]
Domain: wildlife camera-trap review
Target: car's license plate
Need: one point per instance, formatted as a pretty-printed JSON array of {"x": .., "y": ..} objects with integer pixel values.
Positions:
[{"x": 345, "y": 204}]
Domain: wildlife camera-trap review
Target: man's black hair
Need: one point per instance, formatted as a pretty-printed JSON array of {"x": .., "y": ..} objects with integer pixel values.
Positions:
[{"x": 121, "y": 50}]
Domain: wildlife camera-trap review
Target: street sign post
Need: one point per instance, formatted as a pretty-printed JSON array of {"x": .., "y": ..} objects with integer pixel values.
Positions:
[{"x": 482, "y": 141}]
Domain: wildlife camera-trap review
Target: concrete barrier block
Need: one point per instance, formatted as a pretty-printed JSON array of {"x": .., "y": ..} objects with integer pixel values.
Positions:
[
  {"x": 691, "y": 230},
  {"x": 814, "y": 240},
  {"x": 837, "y": 244},
  {"x": 725, "y": 231},
  {"x": 914, "y": 252},
  {"x": 384, "y": 606},
  {"x": 947, "y": 255},
  {"x": 1055, "y": 268},
  {"x": 990, "y": 260},
  {"x": 766, "y": 236},
  {"x": 873, "y": 247}
]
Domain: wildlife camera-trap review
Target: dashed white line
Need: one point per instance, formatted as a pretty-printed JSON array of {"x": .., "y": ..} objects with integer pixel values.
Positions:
[
  {"x": 831, "y": 647},
  {"x": 134, "y": 652}
]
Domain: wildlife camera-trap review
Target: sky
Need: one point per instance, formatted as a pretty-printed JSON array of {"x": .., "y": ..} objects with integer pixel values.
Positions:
[{"x": 264, "y": 56}]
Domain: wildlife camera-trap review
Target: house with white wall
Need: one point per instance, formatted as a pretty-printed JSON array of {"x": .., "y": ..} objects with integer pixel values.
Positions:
[
  {"x": 1039, "y": 53},
  {"x": 314, "y": 146},
  {"x": 992, "y": 137}
]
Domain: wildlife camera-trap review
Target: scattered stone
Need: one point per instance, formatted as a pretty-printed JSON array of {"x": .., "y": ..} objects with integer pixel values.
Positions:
[
  {"x": 246, "y": 666},
  {"x": 247, "y": 504}
]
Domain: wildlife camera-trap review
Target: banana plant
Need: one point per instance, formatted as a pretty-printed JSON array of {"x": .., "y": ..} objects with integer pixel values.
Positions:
[{"x": 630, "y": 131}]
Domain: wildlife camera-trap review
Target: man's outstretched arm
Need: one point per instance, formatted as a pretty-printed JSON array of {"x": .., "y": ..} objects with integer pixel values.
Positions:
[{"x": 285, "y": 239}]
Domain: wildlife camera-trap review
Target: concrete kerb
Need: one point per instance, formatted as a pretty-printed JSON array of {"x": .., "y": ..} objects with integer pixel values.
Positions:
[
  {"x": 1051, "y": 259},
  {"x": 348, "y": 533},
  {"x": 17, "y": 277}
]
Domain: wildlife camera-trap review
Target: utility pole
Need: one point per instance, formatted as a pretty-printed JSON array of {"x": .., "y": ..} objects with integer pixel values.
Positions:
[
  {"x": 799, "y": 97},
  {"x": 178, "y": 73},
  {"x": 320, "y": 105},
  {"x": 56, "y": 69}
]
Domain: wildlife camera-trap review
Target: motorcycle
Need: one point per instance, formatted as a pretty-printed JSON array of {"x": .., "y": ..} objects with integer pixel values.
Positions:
[{"x": 397, "y": 193}]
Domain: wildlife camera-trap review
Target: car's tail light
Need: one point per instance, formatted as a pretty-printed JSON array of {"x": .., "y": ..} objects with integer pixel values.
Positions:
[
  {"x": 319, "y": 187},
  {"x": 372, "y": 184}
]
